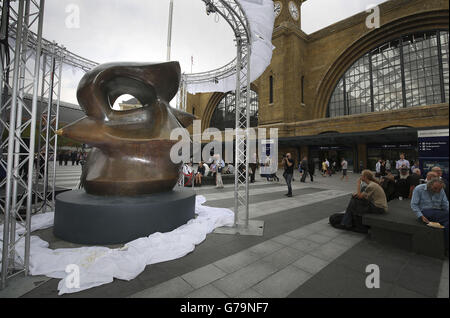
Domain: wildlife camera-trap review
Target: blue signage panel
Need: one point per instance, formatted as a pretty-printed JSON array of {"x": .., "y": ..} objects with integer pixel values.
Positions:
[
  {"x": 433, "y": 147},
  {"x": 433, "y": 150}
]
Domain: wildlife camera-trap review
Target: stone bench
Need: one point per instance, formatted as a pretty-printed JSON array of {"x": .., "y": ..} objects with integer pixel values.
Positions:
[
  {"x": 400, "y": 228},
  {"x": 210, "y": 180}
]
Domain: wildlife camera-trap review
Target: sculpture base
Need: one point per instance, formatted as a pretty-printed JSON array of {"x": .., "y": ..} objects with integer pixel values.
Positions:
[{"x": 90, "y": 219}]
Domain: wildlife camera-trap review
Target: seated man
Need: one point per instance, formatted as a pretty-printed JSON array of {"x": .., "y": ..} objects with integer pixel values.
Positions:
[
  {"x": 200, "y": 173},
  {"x": 431, "y": 175},
  {"x": 230, "y": 169},
  {"x": 401, "y": 183},
  {"x": 430, "y": 203},
  {"x": 413, "y": 181},
  {"x": 372, "y": 200},
  {"x": 388, "y": 184},
  {"x": 438, "y": 171},
  {"x": 188, "y": 173}
]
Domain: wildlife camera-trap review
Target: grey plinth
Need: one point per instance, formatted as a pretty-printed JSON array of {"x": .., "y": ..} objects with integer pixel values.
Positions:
[{"x": 89, "y": 219}]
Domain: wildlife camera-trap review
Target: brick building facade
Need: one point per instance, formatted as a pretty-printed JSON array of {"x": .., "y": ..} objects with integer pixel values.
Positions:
[{"x": 352, "y": 91}]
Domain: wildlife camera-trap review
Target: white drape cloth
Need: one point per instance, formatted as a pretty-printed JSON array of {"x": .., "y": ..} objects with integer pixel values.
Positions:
[
  {"x": 100, "y": 265},
  {"x": 261, "y": 17}
]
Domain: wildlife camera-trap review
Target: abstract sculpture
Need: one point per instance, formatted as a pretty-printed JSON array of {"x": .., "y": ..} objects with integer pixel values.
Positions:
[
  {"x": 128, "y": 177},
  {"x": 131, "y": 148}
]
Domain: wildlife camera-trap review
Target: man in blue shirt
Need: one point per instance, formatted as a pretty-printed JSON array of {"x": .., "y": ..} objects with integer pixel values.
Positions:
[
  {"x": 430, "y": 203},
  {"x": 402, "y": 162}
]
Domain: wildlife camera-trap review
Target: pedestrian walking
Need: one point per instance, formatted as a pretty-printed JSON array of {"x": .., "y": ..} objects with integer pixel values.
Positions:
[
  {"x": 66, "y": 157},
  {"x": 311, "y": 168},
  {"x": 219, "y": 164},
  {"x": 73, "y": 157},
  {"x": 60, "y": 158},
  {"x": 305, "y": 168},
  {"x": 324, "y": 168},
  {"x": 344, "y": 166},
  {"x": 253, "y": 165},
  {"x": 288, "y": 164}
]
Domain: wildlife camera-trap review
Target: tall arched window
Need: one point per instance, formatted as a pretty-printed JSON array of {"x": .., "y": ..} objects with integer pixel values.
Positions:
[
  {"x": 224, "y": 115},
  {"x": 409, "y": 71}
]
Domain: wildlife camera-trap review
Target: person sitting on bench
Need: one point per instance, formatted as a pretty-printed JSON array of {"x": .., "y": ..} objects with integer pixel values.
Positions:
[
  {"x": 430, "y": 204},
  {"x": 388, "y": 184},
  {"x": 372, "y": 200},
  {"x": 199, "y": 174},
  {"x": 413, "y": 181}
]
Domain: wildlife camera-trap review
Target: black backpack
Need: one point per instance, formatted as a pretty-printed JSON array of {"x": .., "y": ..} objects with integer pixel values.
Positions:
[{"x": 336, "y": 219}]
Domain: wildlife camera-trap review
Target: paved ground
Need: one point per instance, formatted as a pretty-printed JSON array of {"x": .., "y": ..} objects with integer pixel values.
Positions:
[{"x": 299, "y": 255}]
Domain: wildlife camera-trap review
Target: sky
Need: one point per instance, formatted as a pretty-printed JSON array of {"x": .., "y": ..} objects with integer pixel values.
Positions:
[{"x": 136, "y": 30}]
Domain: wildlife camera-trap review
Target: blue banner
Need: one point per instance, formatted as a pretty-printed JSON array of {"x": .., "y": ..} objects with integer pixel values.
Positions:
[{"x": 433, "y": 150}]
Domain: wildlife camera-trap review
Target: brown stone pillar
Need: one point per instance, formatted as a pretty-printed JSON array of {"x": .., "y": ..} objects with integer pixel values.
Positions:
[
  {"x": 362, "y": 155},
  {"x": 304, "y": 151}
]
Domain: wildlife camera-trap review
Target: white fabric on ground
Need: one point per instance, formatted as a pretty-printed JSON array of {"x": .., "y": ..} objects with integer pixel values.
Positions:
[
  {"x": 100, "y": 265},
  {"x": 261, "y": 17}
]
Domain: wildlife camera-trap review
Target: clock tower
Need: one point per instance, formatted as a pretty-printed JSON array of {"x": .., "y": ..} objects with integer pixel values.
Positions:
[
  {"x": 288, "y": 12},
  {"x": 281, "y": 86}
]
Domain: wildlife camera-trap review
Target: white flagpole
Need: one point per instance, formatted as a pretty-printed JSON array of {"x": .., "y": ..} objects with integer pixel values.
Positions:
[{"x": 169, "y": 33}]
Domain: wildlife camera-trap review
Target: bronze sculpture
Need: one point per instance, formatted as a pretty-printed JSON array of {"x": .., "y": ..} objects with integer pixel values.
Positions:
[{"x": 131, "y": 148}]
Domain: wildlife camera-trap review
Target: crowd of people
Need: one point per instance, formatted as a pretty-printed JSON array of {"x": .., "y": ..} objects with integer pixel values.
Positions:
[
  {"x": 408, "y": 176},
  {"x": 75, "y": 156},
  {"x": 328, "y": 169},
  {"x": 429, "y": 196},
  {"x": 214, "y": 167}
]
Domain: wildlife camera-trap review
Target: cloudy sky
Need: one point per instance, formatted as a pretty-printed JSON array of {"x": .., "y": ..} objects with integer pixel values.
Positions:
[{"x": 136, "y": 30}]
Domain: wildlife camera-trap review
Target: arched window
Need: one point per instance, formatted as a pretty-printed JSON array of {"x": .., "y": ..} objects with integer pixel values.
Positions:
[
  {"x": 410, "y": 71},
  {"x": 224, "y": 115}
]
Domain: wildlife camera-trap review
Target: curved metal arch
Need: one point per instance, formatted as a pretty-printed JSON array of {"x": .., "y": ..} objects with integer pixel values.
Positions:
[{"x": 234, "y": 15}]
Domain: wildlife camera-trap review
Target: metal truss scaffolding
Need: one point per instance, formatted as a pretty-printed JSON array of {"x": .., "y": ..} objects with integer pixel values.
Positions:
[
  {"x": 46, "y": 156},
  {"x": 29, "y": 185},
  {"x": 239, "y": 68},
  {"x": 19, "y": 125}
]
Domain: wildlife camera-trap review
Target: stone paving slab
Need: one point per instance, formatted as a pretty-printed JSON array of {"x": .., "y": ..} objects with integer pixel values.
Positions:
[
  {"x": 268, "y": 194},
  {"x": 208, "y": 291},
  {"x": 246, "y": 277},
  {"x": 237, "y": 261},
  {"x": 410, "y": 275},
  {"x": 298, "y": 256},
  {"x": 311, "y": 264},
  {"x": 203, "y": 276},
  {"x": 19, "y": 285},
  {"x": 283, "y": 282},
  {"x": 283, "y": 257},
  {"x": 173, "y": 288},
  {"x": 269, "y": 268}
]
